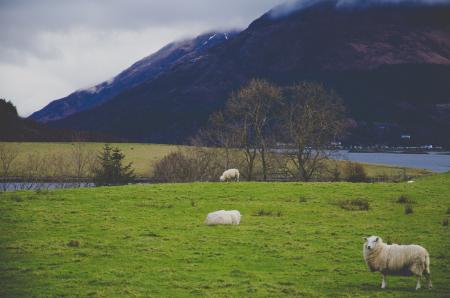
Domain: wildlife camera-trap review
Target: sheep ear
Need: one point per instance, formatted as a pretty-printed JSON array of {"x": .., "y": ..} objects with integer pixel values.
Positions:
[{"x": 376, "y": 240}]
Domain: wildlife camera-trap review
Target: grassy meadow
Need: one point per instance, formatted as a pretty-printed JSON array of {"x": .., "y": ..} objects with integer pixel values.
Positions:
[
  {"x": 295, "y": 239},
  {"x": 144, "y": 157}
]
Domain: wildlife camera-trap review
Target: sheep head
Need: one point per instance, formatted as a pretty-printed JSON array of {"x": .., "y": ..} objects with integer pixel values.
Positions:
[{"x": 372, "y": 242}]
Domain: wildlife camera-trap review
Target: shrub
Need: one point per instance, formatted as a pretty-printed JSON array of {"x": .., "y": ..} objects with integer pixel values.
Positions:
[
  {"x": 408, "y": 209},
  {"x": 355, "y": 172},
  {"x": 354, "y": 205},
  {"x": 200, "y": 164},
  {"x": 175, "y": 167},
  {"x": 403, "y": 199}
]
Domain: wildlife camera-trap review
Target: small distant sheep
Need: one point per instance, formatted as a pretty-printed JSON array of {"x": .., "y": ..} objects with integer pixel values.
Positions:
[
  {"x": 403, "y": 260},
  {"x": 223, "y": 217},
  {"x": 229, "y": 175},
  {"x": 411, "y": 181}
]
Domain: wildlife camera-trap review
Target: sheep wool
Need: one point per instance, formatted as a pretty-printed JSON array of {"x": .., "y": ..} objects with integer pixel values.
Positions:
[
  {"x": 229, "y": 175},
  {"x": 402, "y": 260},
  {"x": 223, "y": 217}
]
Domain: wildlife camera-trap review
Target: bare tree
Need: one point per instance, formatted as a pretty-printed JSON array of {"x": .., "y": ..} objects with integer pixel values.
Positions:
[
  {"x": 252, "y": 109},
  {"x": 81, "y": 158},
  {"x": 312, "y": 119},
  {"x": 220, "y": 134},
  {"x": 8, "y": 154}
]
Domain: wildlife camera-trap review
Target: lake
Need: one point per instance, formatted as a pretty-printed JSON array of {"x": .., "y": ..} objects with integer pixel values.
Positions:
[
  {"x": 434, "y": 161},
  {"x": 11, "y": 186}
]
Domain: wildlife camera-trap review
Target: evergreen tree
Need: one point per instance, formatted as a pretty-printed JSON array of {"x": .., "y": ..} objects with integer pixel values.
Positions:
[{"x": 111, "y": 171}]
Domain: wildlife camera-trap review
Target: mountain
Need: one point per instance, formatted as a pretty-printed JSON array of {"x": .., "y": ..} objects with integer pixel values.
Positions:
[
  {"x": 390, "y": 63},
  {"x": 145, "y": 69}
]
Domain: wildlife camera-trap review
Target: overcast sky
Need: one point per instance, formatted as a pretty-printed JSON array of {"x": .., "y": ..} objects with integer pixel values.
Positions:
[{"x": 50, "y": 48}]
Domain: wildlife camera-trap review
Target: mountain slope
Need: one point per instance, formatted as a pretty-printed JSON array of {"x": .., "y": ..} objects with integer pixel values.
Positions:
[
  {"x": 146, "y": 69},
  {"x": 17, "y": 129},
  {"x": 390, "y": 63}
]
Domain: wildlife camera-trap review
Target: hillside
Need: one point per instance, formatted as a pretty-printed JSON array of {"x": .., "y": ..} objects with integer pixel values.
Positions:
[
  {"x": 390, "y": 64},
  {"x": 149, "y": 240},
  {"x": 15, "y": 128},
  {"x": 144, "y": 70}
]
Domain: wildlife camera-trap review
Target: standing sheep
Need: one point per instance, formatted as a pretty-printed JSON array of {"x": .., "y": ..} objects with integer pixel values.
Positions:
[
  {"x": 231, "y": 174},
  {"x": 403, "y": 260}
]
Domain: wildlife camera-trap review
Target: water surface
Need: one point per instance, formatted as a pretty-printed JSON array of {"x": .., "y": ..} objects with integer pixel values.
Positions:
[{"x": 434, "y": 161}]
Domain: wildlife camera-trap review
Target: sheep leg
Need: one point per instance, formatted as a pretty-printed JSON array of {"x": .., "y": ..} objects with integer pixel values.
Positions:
[
  {"x": 383, "y": 282},
  {"x": 418, "y": 283},
  {"x": 428, "y": 278}
]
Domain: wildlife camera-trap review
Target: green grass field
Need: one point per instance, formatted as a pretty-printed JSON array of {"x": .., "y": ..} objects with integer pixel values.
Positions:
[
  {"x": 144, "y": 157},
  {"x": 149, "y": 240}
]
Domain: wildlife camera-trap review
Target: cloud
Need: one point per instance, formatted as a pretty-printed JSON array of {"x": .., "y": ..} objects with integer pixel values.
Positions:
[
  {"x": 50, "y": 48},
  {"x": 295, "y": 5}
]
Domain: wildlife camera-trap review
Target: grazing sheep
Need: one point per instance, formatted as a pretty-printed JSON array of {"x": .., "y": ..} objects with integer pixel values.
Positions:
[
  {"x": 403, "y": 260},
  {"x": 223, "y": 217},
  {"x": 231, "y": 174}
]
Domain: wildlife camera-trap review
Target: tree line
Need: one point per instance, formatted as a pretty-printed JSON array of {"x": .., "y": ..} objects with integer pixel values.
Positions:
[{"x": 265, "y": 130}]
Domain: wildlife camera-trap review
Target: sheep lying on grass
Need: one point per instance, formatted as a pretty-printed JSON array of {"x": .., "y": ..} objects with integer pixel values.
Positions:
[
  {"x": 223, "y": 217},
  {"x": 403, "y": 260},
  {"x": 229, "y": 175}
]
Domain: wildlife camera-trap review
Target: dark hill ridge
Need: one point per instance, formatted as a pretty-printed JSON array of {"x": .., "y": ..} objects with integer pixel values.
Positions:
[
  {"x": 146, "y": 69},
  {"x": 14, "y": 128},
  {"x": 390, "y": 63}
]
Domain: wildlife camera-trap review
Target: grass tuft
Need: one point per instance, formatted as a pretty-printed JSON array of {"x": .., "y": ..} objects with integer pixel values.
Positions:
[
  {"x": 262, "y": 212},
  {"x": 354, "y": 205},
  {"x": 73, "y": 243},
  {"x": 403, "y": 199},
  {"x": 16, "y": 198},
  {"x": 42, "y": 191},
  {"x": 445, "y": 222},
  {"x": 150, "y": 234},
  {"x": 302, "y": 200},
  {"x": 408, "y": 209}
]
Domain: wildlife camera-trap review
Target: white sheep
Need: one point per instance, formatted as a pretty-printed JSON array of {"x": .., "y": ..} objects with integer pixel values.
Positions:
[
  {"x": 403, "y": 260},
  {"x": 223, "y": 217},
  {"x": 231, "y": 174}
]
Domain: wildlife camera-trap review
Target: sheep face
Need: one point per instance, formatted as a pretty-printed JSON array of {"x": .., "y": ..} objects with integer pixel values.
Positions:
[
  {"x": 222, "y": 178},
  {"x": 372, "y": 242}
]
